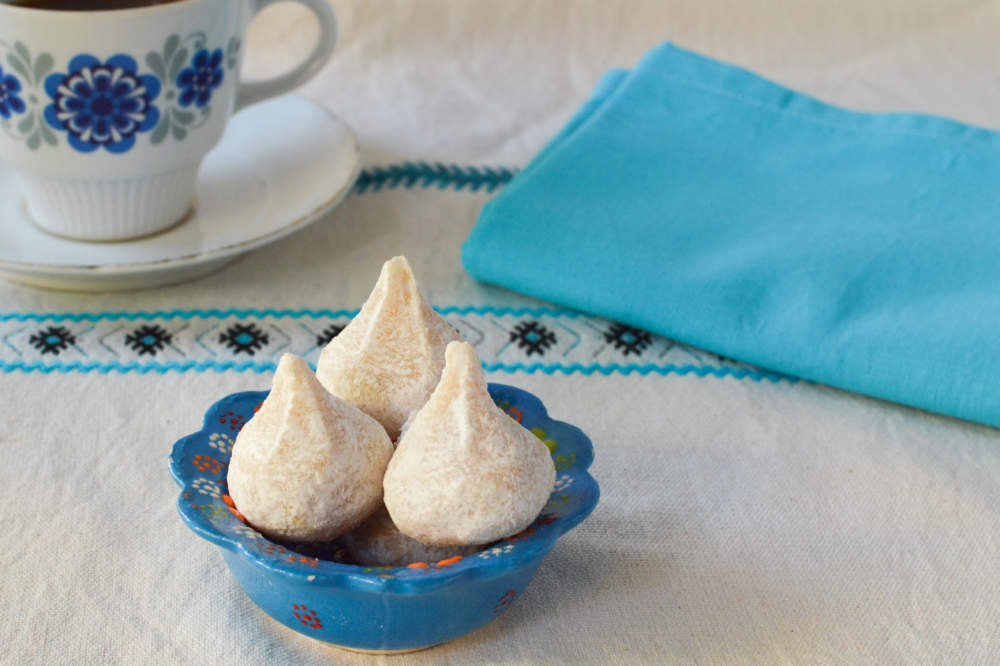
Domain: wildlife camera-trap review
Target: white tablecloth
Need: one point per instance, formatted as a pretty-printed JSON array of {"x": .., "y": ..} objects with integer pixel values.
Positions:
[{"x": 742, "y": 519}]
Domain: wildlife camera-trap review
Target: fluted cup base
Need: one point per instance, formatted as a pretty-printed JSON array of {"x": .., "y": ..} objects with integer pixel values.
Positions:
[{"x": 109, "y": 210}]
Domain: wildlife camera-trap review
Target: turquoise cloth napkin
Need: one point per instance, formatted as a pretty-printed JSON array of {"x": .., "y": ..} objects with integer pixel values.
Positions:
[{"x": 699, "y": 201}]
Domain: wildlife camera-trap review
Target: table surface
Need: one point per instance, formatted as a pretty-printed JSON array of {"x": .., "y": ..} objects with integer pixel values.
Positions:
[{"x": 744, "y": 518}]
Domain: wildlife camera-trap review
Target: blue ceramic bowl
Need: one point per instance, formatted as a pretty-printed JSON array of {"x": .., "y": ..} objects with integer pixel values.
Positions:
[{"x": 378, "y": 609}]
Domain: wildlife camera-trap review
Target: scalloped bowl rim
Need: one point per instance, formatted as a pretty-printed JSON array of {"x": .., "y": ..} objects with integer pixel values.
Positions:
[{"x": 531, "y": 548}]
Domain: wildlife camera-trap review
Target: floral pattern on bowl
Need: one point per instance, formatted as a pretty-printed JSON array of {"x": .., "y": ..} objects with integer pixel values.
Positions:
[{"x": 378, "y": 608}]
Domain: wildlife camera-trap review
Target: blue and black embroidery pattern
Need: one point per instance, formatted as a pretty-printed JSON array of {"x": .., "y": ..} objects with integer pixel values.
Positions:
[
  {"x": 148, "y": 340},
  {"x": 52, "y": 340},
  {"x": 327, "y": 334},
  {"x": 244, "y": 338},
  {"x": 532, "y": 337},
  {"x": 628, "y": 340},
  {"x": 505, "y": 339}
]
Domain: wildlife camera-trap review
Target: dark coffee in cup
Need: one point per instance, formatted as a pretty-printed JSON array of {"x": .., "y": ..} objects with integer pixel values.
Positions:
[{"x": 85, "y": 5}]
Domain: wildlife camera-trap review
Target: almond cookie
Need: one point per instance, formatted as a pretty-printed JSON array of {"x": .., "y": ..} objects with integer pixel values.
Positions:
[
  {"x": 389, "y": 358},
  {"x": 464, "y": 472},
  {"x": 308, "y": 466}
]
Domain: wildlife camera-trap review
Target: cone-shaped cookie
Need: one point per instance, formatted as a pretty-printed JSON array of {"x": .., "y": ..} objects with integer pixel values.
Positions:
[
  {"x": 389, "y": 358},
  {"x": 378, "y": 543},
  {"x": 464, "y": 472},
  {"x": 308, "y": 466}
]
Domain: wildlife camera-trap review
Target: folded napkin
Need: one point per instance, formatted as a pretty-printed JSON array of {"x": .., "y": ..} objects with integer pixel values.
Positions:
[{"x": 704, "y": 203}]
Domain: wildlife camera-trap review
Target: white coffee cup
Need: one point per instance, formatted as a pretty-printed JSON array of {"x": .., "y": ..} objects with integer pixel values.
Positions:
[{"x": 105, "y": 116}]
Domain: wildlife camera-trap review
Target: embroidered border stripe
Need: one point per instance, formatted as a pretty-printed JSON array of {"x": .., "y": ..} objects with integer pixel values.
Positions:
[{"x": 513, "y": 340}]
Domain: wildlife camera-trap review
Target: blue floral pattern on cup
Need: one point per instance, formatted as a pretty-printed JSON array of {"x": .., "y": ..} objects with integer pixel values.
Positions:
[
  {"x": 200, "y": 79},
  {"x": 10, "y": 103},
  {"x": 102, "y": 105},
  {"x": 108, "y": 103}
]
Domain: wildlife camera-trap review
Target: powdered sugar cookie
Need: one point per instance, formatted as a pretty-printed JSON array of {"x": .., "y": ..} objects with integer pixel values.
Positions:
[
  {"x": 464, "y": 472},
  {"x": 389, "y": 358},
  {"x": 308, "y": 466}
]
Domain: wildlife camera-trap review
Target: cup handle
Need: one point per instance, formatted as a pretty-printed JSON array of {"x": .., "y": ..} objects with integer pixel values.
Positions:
[{"x": 257, "y": 91}]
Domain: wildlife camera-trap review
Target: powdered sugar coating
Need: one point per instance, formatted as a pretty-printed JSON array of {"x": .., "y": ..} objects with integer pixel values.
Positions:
[
  {"x": 308, "y": 466},
  {"x": 377, "y": 542},
  {"x": 389, "y": 358},
  {"x": 465, "y": 473}
]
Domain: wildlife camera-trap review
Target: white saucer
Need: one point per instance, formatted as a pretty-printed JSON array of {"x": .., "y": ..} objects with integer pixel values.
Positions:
[{"x": 281, "y": 165}]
